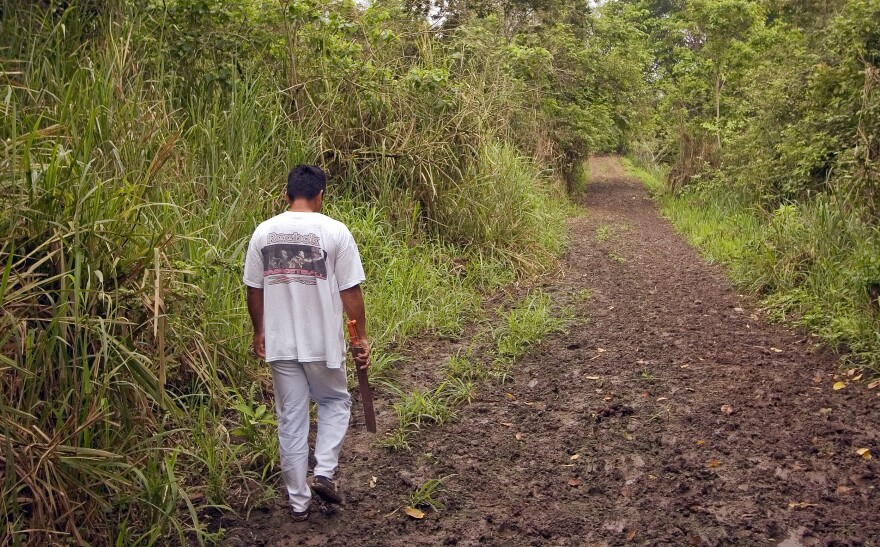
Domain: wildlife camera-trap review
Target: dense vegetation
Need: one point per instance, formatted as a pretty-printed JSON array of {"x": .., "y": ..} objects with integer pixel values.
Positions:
[
  {"x": 143, "y": 141},
  {"x": 767, "y": 129}
]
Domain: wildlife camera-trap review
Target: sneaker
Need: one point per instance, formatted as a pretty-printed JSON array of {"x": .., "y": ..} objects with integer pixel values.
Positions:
[
  {"x": 299, "y": 516},
  {"x": 326, "y": 488}
]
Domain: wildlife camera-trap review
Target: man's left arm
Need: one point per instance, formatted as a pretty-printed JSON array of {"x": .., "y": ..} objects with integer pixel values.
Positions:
[{"x": 353, "y": 303}]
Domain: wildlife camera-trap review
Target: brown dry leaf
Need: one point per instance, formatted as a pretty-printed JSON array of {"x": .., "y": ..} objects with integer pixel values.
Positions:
[
  {"x": 700, "y": 442},
  {"x": 800, "y": 504},
  {"x": 607, "y": 398},
  {"x": 573, "y": 458},
  {"x": 777, "y": 350},
  {"x": 713, "y": 463},
  {"x": 825, "y": 412},
  {"x": 727, "y": 409},
  {"x": 373, "y": 481},
  {"x": 507, "y": 424},
  {"x": 874, "y": 385},
  {"x": 573, "y": 482},
  {"x": 857, "y": 378},
  {"x": 864, "y": 453},
  {"x": 838, "y": 386},
  {"x": 518, "y": 436},
  {"x": 509, "y": 395},
  {"x": 851, "y": 372},
  {"x": 842, "y": 490},
  {"x": 662, "y": 399},
  {"x": 685, "y": 366},
  {"x": 592, "y": 377},
  {"x": 414, "y": 513},
  {"x": 817, "y": 379},
  {"x": 631, "y": 535}
]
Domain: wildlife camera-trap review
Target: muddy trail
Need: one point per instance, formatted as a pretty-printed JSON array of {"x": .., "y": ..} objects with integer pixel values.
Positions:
[{"x": 669, "y": 413}]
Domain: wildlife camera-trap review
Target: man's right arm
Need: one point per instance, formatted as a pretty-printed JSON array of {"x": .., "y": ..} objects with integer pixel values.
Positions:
[{"x": 255, "y": 310}]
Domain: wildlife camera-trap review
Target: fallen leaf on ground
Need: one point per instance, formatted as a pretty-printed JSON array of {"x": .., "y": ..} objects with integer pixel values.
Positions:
[
  {"x": 507, "y": 424},
  {"x": 509, "y": 395},
  {"x": 800, "y": 504},
  {"x": 573, "y": 482},
  {"x": 842, "y": 490},
  {"x": 607, "y": 397},
  {"x": 662, "y": 399},
  {"x": 684, "y": 366},
  {"x": 414, "y": 513},
  {"x": 851, "y": 372},
  {"x": 373, "y": 482},
  {"x": 838, "y": 386},
  {"x": 631, "y": 535},
  {"x": 727, "y": 409},
  {"x": 713, "y": 463},
  {"x": 518, "y": 436},
  {"x": 600, "y": 350},
  {"x": 857, "y": 378},
  {"x": 700, "y": 442},
  {"x": 873, "y": 385},
  {"x": 593, "y": 377},
  {"x": 576, "y": 456},
  {"x": 817, "y": 379},
  {"x": 864, "y": 453},
  {"x": 777, "y": 350},
  {"x": 825, "y": 412}
]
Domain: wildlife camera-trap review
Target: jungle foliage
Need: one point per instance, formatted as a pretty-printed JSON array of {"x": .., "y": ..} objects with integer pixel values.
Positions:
[
  {"x": 142, "y": 141},
  {"x": 770, "y": 109}
]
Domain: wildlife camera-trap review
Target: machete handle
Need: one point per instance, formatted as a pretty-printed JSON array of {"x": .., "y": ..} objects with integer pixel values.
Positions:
[{"x": 353, "y": 335}]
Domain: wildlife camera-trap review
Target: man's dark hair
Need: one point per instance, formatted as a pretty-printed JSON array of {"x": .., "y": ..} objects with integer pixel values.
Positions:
[{"x": 305, "y": 181}]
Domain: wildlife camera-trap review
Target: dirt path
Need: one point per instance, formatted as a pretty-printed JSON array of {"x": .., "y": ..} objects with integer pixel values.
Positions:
[{"x": 622, "y": 435}]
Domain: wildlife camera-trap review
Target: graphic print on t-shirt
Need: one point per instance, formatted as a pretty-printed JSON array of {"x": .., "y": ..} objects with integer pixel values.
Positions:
[{"x": 294, "y": 262}]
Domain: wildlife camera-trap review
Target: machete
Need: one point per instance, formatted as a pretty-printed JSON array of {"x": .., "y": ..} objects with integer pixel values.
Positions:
[{"x": 363, "y": 380}]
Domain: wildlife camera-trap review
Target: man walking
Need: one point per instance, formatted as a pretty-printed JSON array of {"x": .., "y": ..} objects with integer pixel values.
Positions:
[{"x": 297, "y": 320}]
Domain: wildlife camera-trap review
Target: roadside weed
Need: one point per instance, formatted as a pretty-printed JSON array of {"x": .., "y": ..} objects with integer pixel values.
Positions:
[
  {"x": 425, "y": 496},
  {"x": 583, "y": 295},
  {"x": 523, "y": 325},
  {"x": 396, "y": 439},
  {"x": 462, "y": 367}
]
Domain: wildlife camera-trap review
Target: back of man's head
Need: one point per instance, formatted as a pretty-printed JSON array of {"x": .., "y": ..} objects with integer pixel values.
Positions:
[{"x": 305, "y": 181}]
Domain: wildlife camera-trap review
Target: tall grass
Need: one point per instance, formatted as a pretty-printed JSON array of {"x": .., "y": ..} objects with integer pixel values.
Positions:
[
  {"x": 813, "y": 264},
  {"x": 129, "y": 401}
]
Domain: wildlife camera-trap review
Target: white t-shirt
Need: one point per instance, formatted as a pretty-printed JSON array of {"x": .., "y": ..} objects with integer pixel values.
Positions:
[{"x": 302, "y": 261}]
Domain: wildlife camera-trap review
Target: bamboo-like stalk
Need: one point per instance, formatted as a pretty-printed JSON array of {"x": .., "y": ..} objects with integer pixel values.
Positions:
[{"x": 159, "y": 321}]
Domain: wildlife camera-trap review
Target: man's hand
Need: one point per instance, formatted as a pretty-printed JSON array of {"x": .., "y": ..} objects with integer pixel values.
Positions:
[
  {"x": 255, "y": 310},
  {"x": 362, "y": 355},
  {"x": 260, "y": 345}
]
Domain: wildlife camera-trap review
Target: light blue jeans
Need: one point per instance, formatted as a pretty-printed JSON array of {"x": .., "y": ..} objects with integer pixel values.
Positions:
[{"x": 294, "y": 383}]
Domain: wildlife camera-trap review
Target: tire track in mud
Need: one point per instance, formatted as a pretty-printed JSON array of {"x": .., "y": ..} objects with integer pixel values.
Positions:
[{"x": 670, "y": 413}]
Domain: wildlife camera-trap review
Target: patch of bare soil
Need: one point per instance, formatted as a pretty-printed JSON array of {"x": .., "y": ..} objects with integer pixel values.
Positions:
[{"x": 670, "y": 414}]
